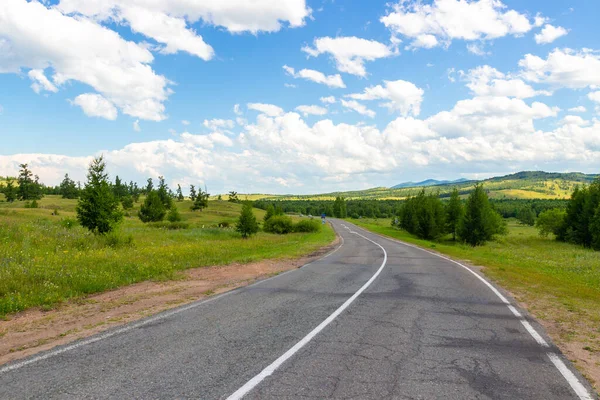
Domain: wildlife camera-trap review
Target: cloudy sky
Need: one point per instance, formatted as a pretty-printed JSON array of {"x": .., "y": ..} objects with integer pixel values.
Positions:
[{"x": 299, "y": 96}]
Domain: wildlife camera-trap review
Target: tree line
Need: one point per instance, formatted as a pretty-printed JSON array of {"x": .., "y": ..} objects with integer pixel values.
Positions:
[
  {"x": 474, "y": 222},
  {"x": 579, "y": 222}
]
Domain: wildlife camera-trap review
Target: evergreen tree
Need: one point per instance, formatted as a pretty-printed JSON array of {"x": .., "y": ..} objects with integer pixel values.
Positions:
[
  {"x": 29, "y": 189},
  {"x": 127, "y": 202},
  {"x": 480, "y": 222},
  {"x": 233, "y": 197},
  {"x": 10, "y": 191},
  {"x": 581, "y": 211},
  {"x": 247, "y": 224},
  {"x": 270, "y": 212},
  {"x": 152, "y": 209},
  {"x": 179, "y": 193},
  {"x": 68, "y": 188},
  {"x": 173, "y": 215},
  {"x": 192, "y": 193},
  {"x": 201, "y": 201},
  {"x": 98, "y": 209},
  {"x": 163, "y": 193},
  {"x": 119, "y": 188},
  {"x": 454, "y": 213},
  {"x": 149, "y": 186}
]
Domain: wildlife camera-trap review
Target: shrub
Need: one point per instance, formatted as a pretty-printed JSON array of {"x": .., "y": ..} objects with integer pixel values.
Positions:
[
  {"x": 32, "y": 204},
  {"x": 224, "y": 224},
  {"x": 153, "y": 209},
  {"x": 127, "y": 202},
  {"x": 279, "y": 224},
  {"x": 68, "y": 223},
  {"x": 174, "y": 215},
  {"x": 247, "y": 224},
  {"x": 550, "y": 221},
  {"x": 307, "y": 225}
]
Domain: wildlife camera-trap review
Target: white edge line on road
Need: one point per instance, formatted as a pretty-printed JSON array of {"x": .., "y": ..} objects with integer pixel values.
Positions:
[
  {"x": 135, "y": 325},
  {"x": 575, "y": 384},
  {"x": 252, "y": 383}
]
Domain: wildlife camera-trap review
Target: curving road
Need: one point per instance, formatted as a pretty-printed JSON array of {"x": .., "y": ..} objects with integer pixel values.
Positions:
[{"x": 376, "y": 319}]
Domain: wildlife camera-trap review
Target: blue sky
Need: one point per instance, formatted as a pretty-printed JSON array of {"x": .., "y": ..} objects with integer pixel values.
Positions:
[{"x": 475, "y": 88}]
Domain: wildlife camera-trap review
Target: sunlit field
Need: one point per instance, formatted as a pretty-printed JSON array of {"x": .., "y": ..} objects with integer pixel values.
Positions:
[{"x": 46, "y": 259}]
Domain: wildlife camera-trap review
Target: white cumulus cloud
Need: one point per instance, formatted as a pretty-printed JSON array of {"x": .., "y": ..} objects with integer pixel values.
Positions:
[
  {"x": 442, "y": 21},
  {"x": 549, "y": 34},
  {"x": 94, "y": 105},
  {"x": 563, "y": 68},
  {"x": 77, "y": 49},
  {"x": 267, "y": 109},
  {"x": 403, "y": 96},
  {"x": 358, "y": 107},
  {"x": 488, "y": 81},
  {"x": 349, "y": 53},
  {"x": 312, "y": 110},
  {"x": 334, "y": 81}
]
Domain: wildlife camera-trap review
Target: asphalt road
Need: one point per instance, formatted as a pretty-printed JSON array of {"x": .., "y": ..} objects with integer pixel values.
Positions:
[{"x": 411, "y": 326}]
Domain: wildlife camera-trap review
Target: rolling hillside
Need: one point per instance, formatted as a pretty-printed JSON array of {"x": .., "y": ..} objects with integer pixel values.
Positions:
[{"x": 522, "y": 185}]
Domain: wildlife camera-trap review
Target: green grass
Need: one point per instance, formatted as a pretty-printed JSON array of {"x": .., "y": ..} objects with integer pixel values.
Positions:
[
  {"x": 43, "y": 263},
  {"x": 560, "y": 282}
]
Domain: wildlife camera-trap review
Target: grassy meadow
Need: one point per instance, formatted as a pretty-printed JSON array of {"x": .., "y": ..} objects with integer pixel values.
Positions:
[
  {"x": 45, "y": 260},
  {"x": 559, "y": 282}
]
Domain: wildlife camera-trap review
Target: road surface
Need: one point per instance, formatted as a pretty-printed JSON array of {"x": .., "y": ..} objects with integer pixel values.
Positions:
[{"x": 376, "y": 319}]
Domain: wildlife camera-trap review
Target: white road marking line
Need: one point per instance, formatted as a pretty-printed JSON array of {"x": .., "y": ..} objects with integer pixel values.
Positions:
[
  {"x": 579, "y": 389},
  {"x": 127, "y": 328},
  {"x": 252, "y": 383}
]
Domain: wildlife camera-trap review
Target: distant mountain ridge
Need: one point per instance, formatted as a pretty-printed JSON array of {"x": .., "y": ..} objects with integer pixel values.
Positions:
[
  {"x": 427, "y": 182},
  {"x": 520, "y": 185}
]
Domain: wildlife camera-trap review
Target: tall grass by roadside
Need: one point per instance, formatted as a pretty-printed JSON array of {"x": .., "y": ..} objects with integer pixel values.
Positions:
[{"x": 46, "y": 259}]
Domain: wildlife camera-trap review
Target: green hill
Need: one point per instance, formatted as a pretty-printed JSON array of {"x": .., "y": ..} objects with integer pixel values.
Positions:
[{"x": 521, "y": 185}]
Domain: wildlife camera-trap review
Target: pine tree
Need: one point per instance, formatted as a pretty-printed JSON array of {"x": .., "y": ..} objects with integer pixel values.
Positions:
[
  {"x": 29, "y": 189},
  {"x": 192, "y": 193},
  {"x": 10, "y": 191},
  {"x": 179, "y": 193},
  {"x": 233, "y": 197},
  {"x": 201, "y": 201},
  {"x": 152, "y": 209},
  {"x": 454, "y": 213},
  {"x": 119, "y": 188},
  {"x": 98, "y": 209},
  {"x": 68, "y": 188},
  {"x": 149, "y": 186},
  {"x": 480, "y": 222},
  {"x": 163, "y": 193},
  {"x": 247, "y": 224},
  {"x": 270, "y": 212},
  {"x": 174, "y": 215}
]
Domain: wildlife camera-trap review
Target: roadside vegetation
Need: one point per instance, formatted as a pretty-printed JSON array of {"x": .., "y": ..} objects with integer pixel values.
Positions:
[{"x": 103, "y": 234}]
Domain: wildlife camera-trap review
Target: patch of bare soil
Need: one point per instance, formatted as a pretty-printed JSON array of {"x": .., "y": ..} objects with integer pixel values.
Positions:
[{"x": 32, "y": 331}]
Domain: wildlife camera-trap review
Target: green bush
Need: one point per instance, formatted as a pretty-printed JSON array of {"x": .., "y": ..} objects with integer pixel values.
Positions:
[
  {"x": 33, "y": 204},
  {"x": 68, "y": 223},
  {"x": 307, "y": 226},
  {"x": 224, "y": 224},
  {"x": 174, "y": 215},
  {"x": 279, "y": 224},
  {"x": 550, "y": 221},
  {"x": 127, "y": 202}
]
